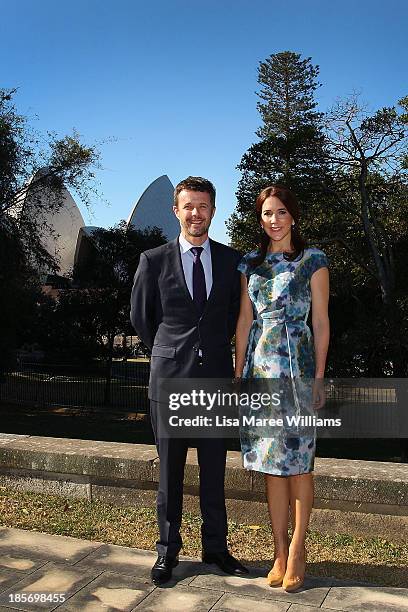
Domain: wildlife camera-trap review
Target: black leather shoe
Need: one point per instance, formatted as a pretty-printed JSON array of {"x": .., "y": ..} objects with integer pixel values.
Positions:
[
  {"x": 162, "y": 569},
  {"x": 226, "y": 562}
]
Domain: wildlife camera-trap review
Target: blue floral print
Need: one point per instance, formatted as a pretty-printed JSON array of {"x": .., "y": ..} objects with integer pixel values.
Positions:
[{"x": 280, "y": 345}]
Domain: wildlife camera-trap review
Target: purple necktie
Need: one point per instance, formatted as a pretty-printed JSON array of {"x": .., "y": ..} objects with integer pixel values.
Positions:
[{"x": 199, "y": 288}]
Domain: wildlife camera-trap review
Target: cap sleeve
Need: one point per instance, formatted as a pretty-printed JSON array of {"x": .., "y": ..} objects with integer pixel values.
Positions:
[
  {"x": 246, "y": 264},
  {"x": 243, "y": 266},
  {"x": 317, "y": 261}
]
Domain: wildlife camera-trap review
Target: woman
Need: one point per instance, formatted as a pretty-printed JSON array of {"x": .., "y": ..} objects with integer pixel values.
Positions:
[{"x": 279, "y": 283}]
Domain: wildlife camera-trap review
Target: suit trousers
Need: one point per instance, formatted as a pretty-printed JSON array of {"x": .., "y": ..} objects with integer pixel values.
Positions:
[{"x": 211, "y": 454}]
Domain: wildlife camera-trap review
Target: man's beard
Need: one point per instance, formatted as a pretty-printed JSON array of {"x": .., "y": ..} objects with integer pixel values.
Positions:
[{"x": 196, "y": 232}]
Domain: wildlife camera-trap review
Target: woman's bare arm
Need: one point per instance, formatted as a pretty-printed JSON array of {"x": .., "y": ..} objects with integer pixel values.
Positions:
[
  {"x": 320, "y": 318},
  {"x": 245, "y": 319}
]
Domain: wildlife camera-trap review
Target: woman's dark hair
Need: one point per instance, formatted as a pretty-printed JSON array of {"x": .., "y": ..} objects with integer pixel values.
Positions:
[{"x": 289, "y": 200}]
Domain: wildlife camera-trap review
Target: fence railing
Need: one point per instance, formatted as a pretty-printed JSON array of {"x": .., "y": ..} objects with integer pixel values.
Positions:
[
  {"x": 68, "y": 385},
  {"x": 368, "y": 407}
]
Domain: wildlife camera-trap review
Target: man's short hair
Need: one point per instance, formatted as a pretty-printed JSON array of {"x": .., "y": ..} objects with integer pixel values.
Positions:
[{"x": 195, "y": 183}]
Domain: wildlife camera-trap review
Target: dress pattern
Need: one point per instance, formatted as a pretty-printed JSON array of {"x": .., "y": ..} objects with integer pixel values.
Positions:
[{"x": 280, "y": 345}]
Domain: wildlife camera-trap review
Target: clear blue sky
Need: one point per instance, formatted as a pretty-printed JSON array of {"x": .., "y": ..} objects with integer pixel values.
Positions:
[{"x": 174, "y": 81}]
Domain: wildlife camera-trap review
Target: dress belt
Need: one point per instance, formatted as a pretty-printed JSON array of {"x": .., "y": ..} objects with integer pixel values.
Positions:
[{"x": 280, "y": 320}]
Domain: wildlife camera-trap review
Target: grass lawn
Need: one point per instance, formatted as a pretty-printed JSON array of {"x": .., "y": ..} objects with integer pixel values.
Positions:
[{"x": 373, "y": 560}]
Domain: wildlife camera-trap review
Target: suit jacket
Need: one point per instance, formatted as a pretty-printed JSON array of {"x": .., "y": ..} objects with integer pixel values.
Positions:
[{"x": 166, "y": 320}]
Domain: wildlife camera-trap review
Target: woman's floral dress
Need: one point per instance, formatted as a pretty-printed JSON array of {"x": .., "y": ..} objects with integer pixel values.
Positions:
[{"x": 280, "y": 345}]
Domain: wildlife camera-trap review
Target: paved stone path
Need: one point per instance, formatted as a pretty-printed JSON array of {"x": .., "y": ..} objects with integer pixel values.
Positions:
[{"x": 96, "y": 577}]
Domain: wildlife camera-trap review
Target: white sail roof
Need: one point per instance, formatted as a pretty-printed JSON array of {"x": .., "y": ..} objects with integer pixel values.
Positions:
[{"x": 155, "y": 208}]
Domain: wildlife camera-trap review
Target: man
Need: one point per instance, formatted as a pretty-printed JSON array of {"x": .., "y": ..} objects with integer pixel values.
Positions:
[{"x": 184, "y": 307}]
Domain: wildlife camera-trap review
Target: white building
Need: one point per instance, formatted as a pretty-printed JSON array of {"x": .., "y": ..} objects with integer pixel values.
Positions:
[
  {"x": 155, "y": 208},
  {"x": 65, "y": 234}
]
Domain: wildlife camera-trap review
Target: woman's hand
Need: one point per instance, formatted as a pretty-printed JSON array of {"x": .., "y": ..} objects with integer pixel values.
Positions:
[{"x": 318, "y": 394}]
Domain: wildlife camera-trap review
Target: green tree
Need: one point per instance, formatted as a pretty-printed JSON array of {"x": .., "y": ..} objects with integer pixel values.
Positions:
[
  {"x": 64, "y": 161},
  {"x": 113, "y": 255},
  {"x": 368, "y": 220},
  {"x": 290, "y": 149},
  {"x": 19, "y": 293},
  {"x": 104, "y": 280}
]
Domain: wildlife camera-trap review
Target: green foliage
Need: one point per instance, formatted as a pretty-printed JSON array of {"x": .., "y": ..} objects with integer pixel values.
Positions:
[
  {"x": 287, "y": 89},
  {"x": 19, "y": 291},
  {"x": 23, "y": 220},
  {"x": 83, "y": 322},
  {"x": 113, "y": 255},
  {"x": 33, "y": 172},
  {"x": 291, "y": 146}
]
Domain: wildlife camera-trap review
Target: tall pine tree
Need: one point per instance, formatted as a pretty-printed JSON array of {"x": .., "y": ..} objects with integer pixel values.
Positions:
[{"x": 290, "y": 149}]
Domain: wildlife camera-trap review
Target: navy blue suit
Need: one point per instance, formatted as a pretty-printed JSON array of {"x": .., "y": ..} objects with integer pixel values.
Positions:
[{"x": 185, "y": 344}]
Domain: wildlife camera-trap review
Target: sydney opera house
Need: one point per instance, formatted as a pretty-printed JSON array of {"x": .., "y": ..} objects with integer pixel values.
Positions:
[{"x": 69, "y": 238}]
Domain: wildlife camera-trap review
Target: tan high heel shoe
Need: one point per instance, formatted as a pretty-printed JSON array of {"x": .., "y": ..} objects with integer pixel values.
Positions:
[
  {"x": 294, "y": 583},
  {"x": 275, "y": 578}
]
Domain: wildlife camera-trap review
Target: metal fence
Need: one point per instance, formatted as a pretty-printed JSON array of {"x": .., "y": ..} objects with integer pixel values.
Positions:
[
  {"x": 367, "y": 407},
  {"x": 69, "y": 385}
]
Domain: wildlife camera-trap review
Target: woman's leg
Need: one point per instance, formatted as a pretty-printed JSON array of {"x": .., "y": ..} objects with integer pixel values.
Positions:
[
  {"x": 301, "y": 492},
  {"x": 277, "y": 493}
]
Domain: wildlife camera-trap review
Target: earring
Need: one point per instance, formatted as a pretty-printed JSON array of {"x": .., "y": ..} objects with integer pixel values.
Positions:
[{"x": 293, "y": 224}]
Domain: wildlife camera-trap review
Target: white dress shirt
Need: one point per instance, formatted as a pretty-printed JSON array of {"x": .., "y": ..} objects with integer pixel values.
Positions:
[{"x": 187, "y": 259}]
